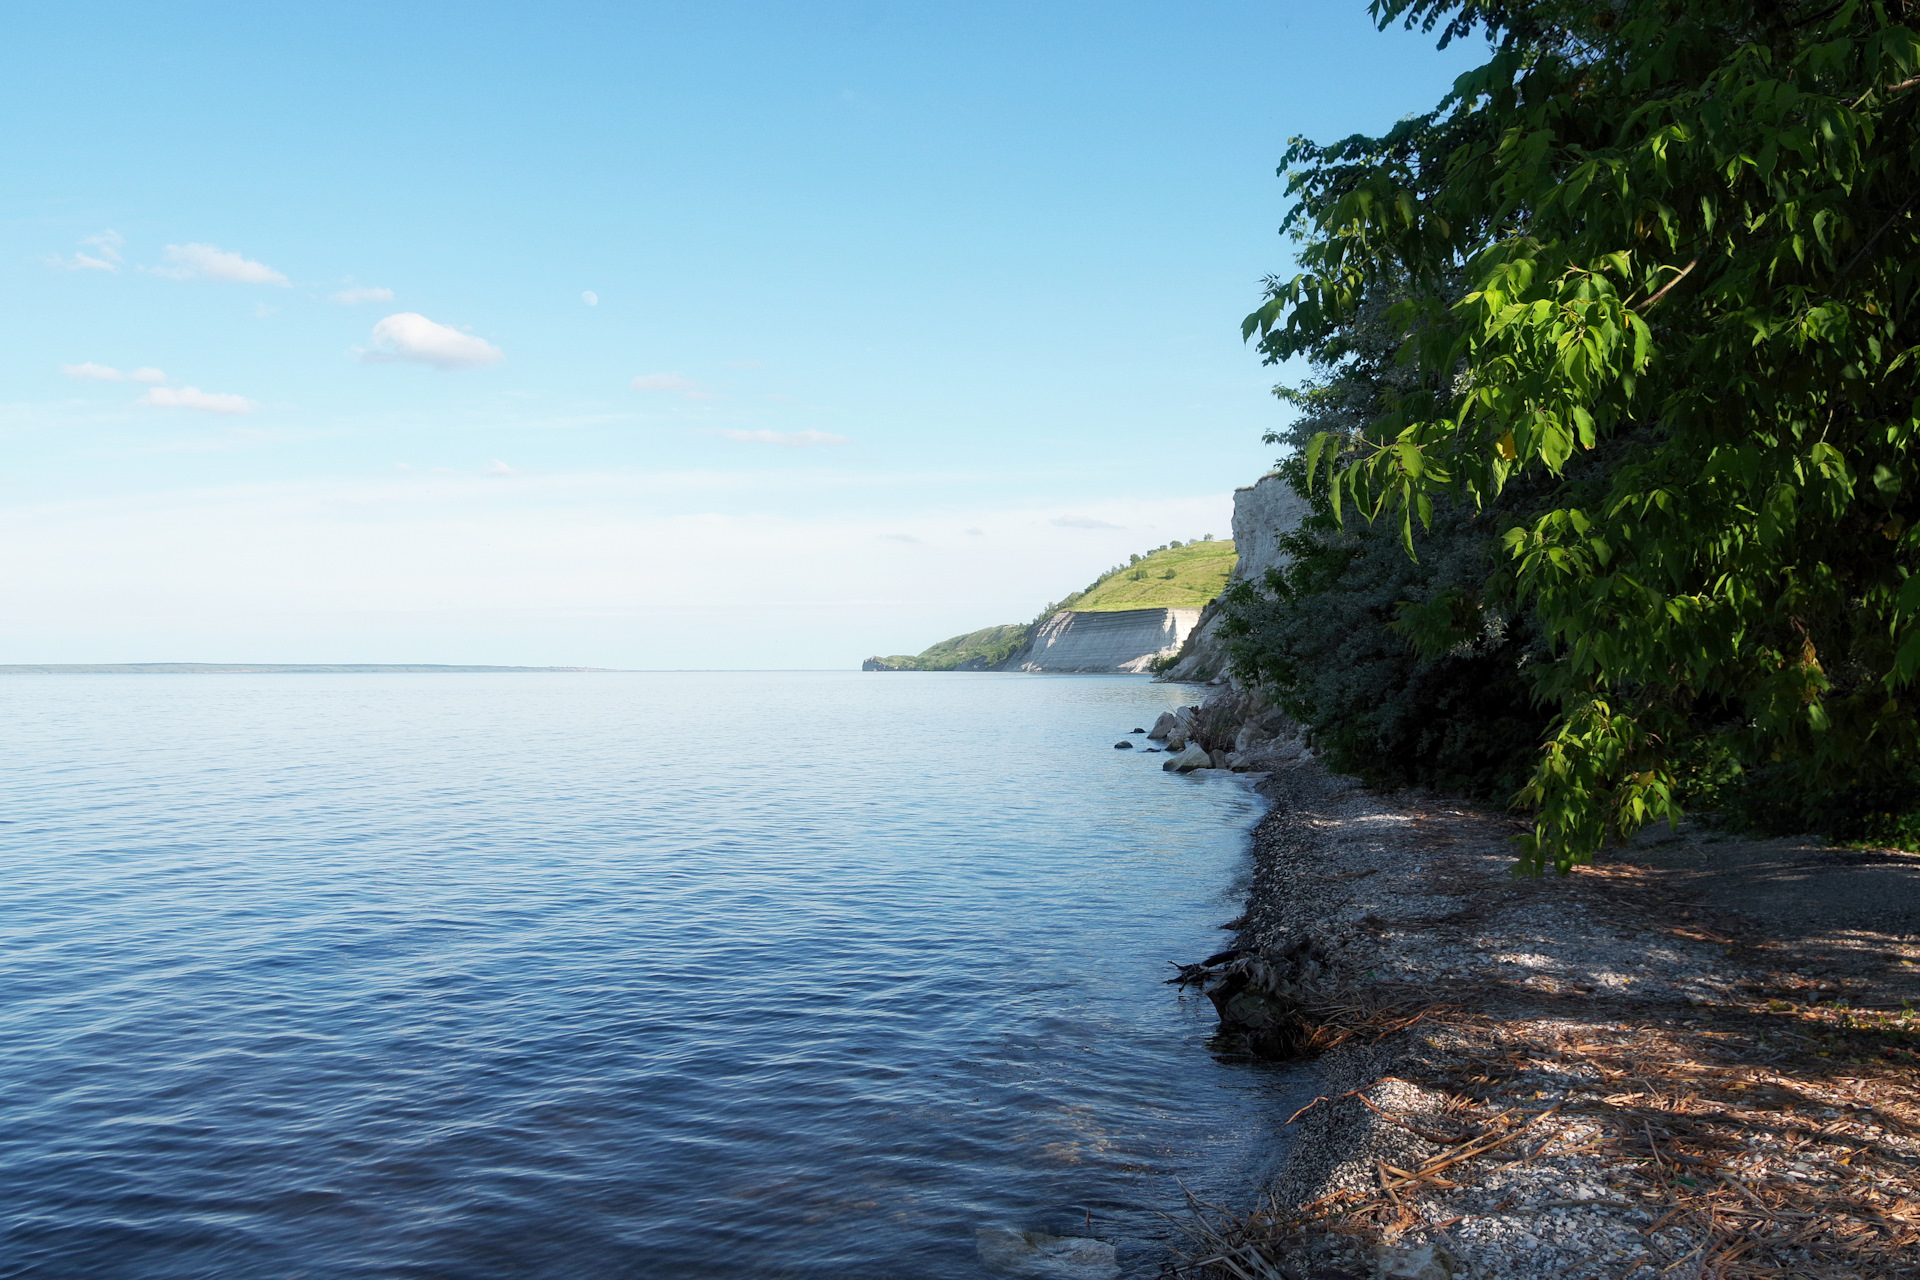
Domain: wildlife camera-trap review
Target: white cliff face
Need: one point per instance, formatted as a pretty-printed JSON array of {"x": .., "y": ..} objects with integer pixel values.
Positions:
[
  {"x": 1263, "y": 513},
  {"x": 1125, "y": 641}
]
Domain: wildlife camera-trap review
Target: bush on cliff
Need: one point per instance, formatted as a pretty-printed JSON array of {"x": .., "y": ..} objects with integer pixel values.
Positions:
[{"x": 1658, "y": 261}]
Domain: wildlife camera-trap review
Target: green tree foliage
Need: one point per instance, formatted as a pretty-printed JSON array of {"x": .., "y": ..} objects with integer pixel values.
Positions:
[
  {"x": 1403, "y": 671},
  {"x": 1660, "y": 260}
]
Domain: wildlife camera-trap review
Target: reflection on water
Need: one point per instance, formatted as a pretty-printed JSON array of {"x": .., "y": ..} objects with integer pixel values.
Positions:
[{"x": 731, "y": 975}]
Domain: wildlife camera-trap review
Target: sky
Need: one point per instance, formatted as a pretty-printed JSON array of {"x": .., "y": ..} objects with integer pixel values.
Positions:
[{"x": 640, "y": 335}]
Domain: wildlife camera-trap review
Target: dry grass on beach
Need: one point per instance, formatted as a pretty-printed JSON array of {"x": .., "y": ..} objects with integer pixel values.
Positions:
[{"x": 1741, "y": 1157}]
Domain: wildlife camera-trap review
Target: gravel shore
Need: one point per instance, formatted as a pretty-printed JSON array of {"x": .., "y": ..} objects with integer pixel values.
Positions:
[{"x": 1606, "y": 1075}]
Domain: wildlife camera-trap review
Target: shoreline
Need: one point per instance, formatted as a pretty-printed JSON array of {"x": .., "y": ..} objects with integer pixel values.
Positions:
[{"x": 1604, "y": 1075}]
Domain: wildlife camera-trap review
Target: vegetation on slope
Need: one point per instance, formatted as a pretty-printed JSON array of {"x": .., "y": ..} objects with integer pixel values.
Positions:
[
  {"x": 978, "y": 649},
  {"x": 1176, "y": 576},
  {"x": 1649, "y": 274}
]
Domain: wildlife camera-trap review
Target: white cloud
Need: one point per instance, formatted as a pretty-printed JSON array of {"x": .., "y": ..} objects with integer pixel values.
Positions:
[
  {"x": 589, "y": 297},
  {"x": 411, "y": 336},
  {"x": 91, "y": 372},
  {"x": 664, "y": 382},
  {"x": 498, "y": 468},
  {"x": 355, "y": 294},
  {"x": 195, "y": 398},
  {"x": 105, "y": 258},
  {"x": 208, "y": 262},
  {"x": 786, "y": 439},
  {"x": 1084, "y": 522}
]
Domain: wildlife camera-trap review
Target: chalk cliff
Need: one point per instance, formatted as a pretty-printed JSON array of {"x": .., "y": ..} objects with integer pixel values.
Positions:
[
  {"x": 1263, "y": 513},
  {"x": 1117, "y": 641}
]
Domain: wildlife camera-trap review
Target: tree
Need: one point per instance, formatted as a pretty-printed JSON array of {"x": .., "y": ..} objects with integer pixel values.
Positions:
[{"x": 1662, "y": 261}]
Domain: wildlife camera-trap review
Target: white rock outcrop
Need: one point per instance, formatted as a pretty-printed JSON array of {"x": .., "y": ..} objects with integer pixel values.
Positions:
[{"x": 1126, "y": 640}]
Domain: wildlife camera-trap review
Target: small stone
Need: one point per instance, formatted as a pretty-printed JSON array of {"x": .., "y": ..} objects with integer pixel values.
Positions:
[
  {"x": 1123, "y": 746},
  {"x": 1136, "y": 731},
  {"x": 1039, "y": 1255},
  {"x": 1414, "y": 1262}
]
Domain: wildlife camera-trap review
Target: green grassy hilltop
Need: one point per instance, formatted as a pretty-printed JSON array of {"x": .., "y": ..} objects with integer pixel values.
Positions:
[
  {"x": 1176, "y": 576},
  {"x": 1169, "y": 577}
]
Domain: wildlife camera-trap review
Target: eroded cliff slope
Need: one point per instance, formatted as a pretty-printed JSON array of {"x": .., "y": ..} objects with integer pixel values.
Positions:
[{"x": 1127, "y": 640}]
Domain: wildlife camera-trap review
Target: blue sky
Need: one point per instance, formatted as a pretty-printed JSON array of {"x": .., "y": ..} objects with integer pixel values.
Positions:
[{"x": 640, "y": 335}]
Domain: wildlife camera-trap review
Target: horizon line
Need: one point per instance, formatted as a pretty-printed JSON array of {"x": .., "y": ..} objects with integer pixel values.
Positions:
[{"x": 348, "y": 668}]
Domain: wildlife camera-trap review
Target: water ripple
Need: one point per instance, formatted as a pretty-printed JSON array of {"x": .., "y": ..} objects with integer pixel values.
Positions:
[{"x": 754, "y": 975}]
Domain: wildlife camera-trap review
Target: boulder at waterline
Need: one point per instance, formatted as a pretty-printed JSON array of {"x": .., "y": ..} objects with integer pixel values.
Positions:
[{"x": 1188, "y": 758}]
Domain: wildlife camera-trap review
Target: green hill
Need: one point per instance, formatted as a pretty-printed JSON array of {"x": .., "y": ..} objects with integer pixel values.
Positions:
[
  {"x": 1175, "y": 576},
  {"x": 977, "y": 650},
  {"x": 1169, "y": 577}
]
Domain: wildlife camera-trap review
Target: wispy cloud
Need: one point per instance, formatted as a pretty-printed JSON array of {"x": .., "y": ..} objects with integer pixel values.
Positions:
[
  {"x": 209, "y": 262},
  {"x": 786, "y": 439},
  {"x": 353, "y": 295},
  {"x": 412, "y": 337},
  {"x": 1084, "y": 522},
  {"x": 589, "y": 297},
  {"x": 91, "y": 372},
  {"x": 498, "y": 468},
  {"x": 663, "y": 382},
  {"x": 195, "y": 398},
  {"x": 105, "y": 256}
]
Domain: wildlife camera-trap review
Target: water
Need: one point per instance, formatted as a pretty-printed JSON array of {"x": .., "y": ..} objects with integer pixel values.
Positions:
[{"x": 728, "y": 975}]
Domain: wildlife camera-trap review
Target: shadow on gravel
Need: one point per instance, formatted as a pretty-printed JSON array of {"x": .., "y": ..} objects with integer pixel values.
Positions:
[{"x": 1695, "y": 1060}]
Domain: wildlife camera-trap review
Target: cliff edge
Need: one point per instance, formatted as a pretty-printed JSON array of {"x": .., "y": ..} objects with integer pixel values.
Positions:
[{"x": 1263, "y": 513}]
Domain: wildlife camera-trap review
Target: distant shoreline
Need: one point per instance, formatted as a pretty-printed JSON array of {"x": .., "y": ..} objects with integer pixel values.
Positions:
[{"x": 258, "y": 668}]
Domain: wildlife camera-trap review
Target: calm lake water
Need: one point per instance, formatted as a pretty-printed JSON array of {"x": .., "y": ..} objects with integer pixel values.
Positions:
[{"x": 653, "y": 974}]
